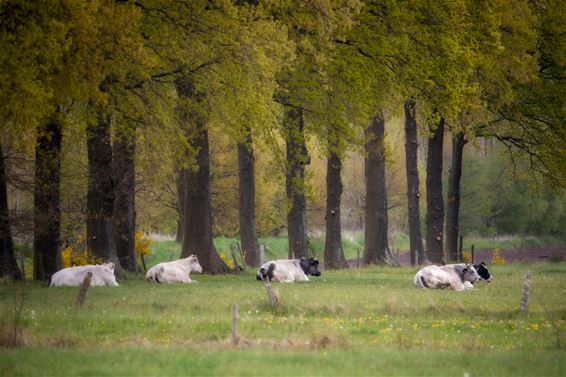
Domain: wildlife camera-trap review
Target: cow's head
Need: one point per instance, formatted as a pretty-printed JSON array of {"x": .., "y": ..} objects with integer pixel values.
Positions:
[
  {"x": 110, "y": 266},
  {"x": 483, "y": 272},
  {"x": 470, "y": 274},
  {"x": 194, "y": 265},
  {"x": 310, "y": 266}
]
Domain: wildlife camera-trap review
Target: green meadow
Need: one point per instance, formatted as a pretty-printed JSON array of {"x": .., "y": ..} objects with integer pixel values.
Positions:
[{"x": 368, "y": 321}]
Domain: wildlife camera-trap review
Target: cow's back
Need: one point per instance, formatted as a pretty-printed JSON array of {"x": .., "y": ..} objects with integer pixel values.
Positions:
[
  {"x": 285, "y": 270},
  {"x": 74, "y": 276}
]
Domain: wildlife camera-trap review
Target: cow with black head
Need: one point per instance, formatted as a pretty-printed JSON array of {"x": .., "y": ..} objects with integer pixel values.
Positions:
[{"x": 288, "y": 270}]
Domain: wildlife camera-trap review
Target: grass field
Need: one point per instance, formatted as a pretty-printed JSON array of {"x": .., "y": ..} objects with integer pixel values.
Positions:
[{"x": 354, "y": 322}]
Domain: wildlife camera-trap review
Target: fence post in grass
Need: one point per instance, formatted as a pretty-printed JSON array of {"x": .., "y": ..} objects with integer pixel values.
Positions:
[
  {"x": 358, "y": 258},
  {"x": 82, "y": 292},
  {"x": 143, "y": 263},
  {"x": 273, "y": 296},
  {"x": 526, "y": 290},
  {"x": 235, "y": 317},
  {"x": 233, "y": 252},
  {"x": 261, "y": 254},
  {"x": 241, "y": 255},
  {"x": 416, "y": 257}
]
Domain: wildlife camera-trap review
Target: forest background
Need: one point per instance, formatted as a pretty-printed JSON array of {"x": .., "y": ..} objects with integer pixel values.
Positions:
[{"x": 125, "y": 115}]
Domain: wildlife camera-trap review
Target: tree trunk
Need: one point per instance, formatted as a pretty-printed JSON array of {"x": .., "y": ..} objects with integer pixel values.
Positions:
[
  {"x": 197, "y": 237},
  {"x": 434, "y": 199},
  {"x": 124, "y": 177},
  {"x": 453, "y": 204},
  {"x": 181, "y": 194},
  {"x": 100, "y": 194},
  {"x": 413, "y": 195},
  {"x": 333, "y": 252},
  {"x": 248, "y": 230},
  {"x": 297, "y": 159},
  {"x": 47, "y": 210},
  {"x": 376, "y": 242},
  {"x": 198, "y": 208},
  {"x": 8, "y": 265}
]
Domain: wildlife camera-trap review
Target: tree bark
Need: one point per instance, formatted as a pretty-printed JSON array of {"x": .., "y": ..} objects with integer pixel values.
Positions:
[
  {"x": 453, "y": 204},
  {"x": 124, "y": 177},
  {"x": 413, "y": 194},
  {"x": 434, "y": 199},
  {"x": 297, "y": 159},
  {"x": 376, "y": 242},
  {"x": 47, "y": 193},
  {"x": 8, "y": 265},
  {"x": 333, "y": 252},
  {"x": 198, "y": 208},
  {"x": 248, "y": 228},
  {"x": 100, "y": 194},
  {"x": 181, "y": 194}
]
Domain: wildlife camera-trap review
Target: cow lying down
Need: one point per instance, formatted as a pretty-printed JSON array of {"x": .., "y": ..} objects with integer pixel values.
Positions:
[
  {"x": 449, "y": 276},
  {"x": 176, "y": 271},
  {"x": 102, "y": 274},
  {"x": 288, "y": 270}
]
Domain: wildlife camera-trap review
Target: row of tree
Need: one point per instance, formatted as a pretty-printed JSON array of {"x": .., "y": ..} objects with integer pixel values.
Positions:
[{"x": 167, "y": 73}]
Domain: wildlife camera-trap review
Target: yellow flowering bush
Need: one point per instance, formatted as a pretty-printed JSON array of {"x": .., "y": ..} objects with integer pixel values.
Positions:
[
  {"x": 76, "y": 254},
  {"x": 227, "y": 259},
  {"x": 467, "y": 256},
  {"x": 497, "y": 258},
  {"x": 70, "y": 257},
  {"x": 142, "y": 244}
]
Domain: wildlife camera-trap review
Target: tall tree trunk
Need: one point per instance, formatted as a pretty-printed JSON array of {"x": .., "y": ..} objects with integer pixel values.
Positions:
[
  {"x": 8, "y": 265},
  {"x": 124, "y": 177},
  {"x": 100, "y": 194},
  {"x": 197, "y": 237},
  {"x": 333, "y": 252},
  {"x": 181, "y": 195},
  {"x": 413, "y": 194},
  {"x": 434, "y": 199},
  {"x": 453, "y": 204},
  {"x": 198, "y": 208},
  {"x": 47, "y": 210},
  {"x": 248, "y": 229},
  {"x": 376, "y": 242},
  {"x": 297, "y": 159}
]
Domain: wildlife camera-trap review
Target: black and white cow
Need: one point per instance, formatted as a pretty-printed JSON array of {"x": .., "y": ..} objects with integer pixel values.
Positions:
[
  {"x": 288, "y": 270},
  {"x": 457, "y": 277},
  {"x": 481, "y": 268}
]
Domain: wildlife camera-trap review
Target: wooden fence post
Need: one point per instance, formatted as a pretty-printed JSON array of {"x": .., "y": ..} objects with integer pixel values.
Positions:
[
  {"x": 235, "y": 317},
  {"x": 82, "y": 292},
  {"x": 526, "y": 290},
  {"x": 233, "y": 252},
  {"x": 244, "y": 265},
  {"x": 273, "y": 296},
  {"x": 261, "y": 254}
]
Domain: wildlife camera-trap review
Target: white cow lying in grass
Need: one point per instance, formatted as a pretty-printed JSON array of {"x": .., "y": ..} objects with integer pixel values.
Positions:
[
  {"x": 449, "y": 277},
  {"x": 102, "y": 274},
  {"x": 176, "y": 271}
]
